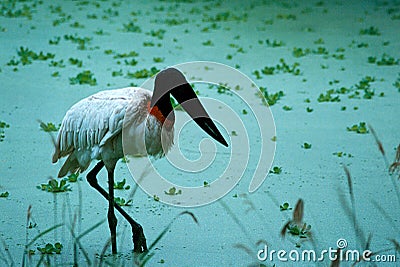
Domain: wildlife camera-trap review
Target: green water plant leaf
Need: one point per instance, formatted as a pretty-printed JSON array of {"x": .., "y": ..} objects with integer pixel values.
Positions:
[{"x": 54, "y": 186}]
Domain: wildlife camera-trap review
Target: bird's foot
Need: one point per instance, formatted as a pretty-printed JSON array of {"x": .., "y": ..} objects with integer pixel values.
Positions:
[{"x": 139, "y": 240}]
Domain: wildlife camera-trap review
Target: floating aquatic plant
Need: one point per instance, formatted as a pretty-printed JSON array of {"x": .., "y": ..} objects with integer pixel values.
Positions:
[
  {"x": 300, "y": 52},
  {"x": 158, "y": 59},
  {"x": 172, "y": 21},
  {"x": 212, "y": 26},
  {"x": 122, "y": 202},
  {"x": 172, "y": 191},
  {"x": 387, "y": 60},
  {"x": 54, "y": 187},
  {"x": 368, "y": 93},
  {"x": 143, "y": 73},
  {"x": 274, "y": 43},
  {"x": 303, "y": 231},
  {"x": 50, "y": 248},
  {"x": 49, "y": 127},
  {"x": 286, "y": 16},
  {"x": 361, "y": 128},
  {"x": 158, "y": 33},
  {"x": 320, "y": 51},
  {"x": 221, "y": 88},
  {"x": 342, "y": 154},
  {"x": 268, "y": 98},
  {"x": 148, "y": 44},
  {"x": 333, "y": 82},
  {"x": 63, "y": 19},
  {"x": 283, "y": 67},
  {"x": 3, "y": 125},
  {"x": 26, "y": 56},
  {"x": 276, "y": 170},
  {"x": 225, "y": 16},
  {"x": 132, "y": 62},
  {"x": 328, "y": 96},
  {"x": 358, "y": 45},
  {"x": 287, "y": 108},
  {"x": 121, "y": 185},
  {"x": 76, "y": 24},
  {"x": 319, "y": 41},
  {"x": 101, "y": 32},
  {"x": 57, "y": 64},
  {"x": 117, "y": 73},
  {"x": 122, "y": 55},
  {"x": 397, "y": 83},
  {"x": 91, "y": 16},
  {"x": 75, "y": 62},
  {"x": 131, "y": 27},
  {"x": 4, "y": 194},
  {"x": 306, "y": 146},
  {"x": 73, "y": 177},
  {"x": 81, "y": 41},
  {"x": 370, "y": 31},
  {"x": 109, "y": 12},
  {"x": 9, "y": 9},
  {"x": 338, "y": 56},
  {"x": 85, "y": 77},
  {"x": 285, "y": 206},
  {"x": 55, "y": 40},
  {"x": 208, "y": 43}
]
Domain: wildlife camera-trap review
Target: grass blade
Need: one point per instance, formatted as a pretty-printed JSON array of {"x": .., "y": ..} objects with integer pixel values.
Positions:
[
  {"x": 77, "y": 240},
  {"x": 245, "y": 249},
  {"x": 298, "y": 212},
  {"x": 43, "y": 233},
  {"x": 350, "y": 212},
  {"x": 169, "y": 226},
  {"x": 352, "y": 198},
  {"x": 386, "y": 215},
  {"x": 11, "y": 263},
  {"x": 396, "y": 244},
  {"x": 396, "y": 163},
  {"x": 143, "y": 257},
  {"x": 90, "y": 229},
  {"x": 350, "y": 185},
  {"x": 379, "y": 143},
  {"x": 284, "y": 229},
  {"x": 236, "y": 219}
]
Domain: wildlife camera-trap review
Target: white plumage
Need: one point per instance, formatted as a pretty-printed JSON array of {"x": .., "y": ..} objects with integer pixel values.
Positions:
[{"x": 92, "y": 129}]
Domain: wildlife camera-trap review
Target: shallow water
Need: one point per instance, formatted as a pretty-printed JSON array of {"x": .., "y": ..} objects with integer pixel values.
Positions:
[{"x": 335, "y": 44}]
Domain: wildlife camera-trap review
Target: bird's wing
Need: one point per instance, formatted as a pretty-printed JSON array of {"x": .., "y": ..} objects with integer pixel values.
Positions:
[{"x": 95, "y": 120}]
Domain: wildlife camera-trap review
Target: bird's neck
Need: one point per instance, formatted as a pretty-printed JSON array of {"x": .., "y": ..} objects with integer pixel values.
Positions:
[{"x": 166, "y": 120}]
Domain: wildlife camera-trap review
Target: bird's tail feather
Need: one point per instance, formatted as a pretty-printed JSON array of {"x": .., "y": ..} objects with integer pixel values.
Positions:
[{"x": 71, "y": 165}]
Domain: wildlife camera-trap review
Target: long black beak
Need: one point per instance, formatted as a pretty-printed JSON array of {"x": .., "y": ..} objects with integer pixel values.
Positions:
[
  {"x": 189, "y": 101},
  {"x": 172, "y": 81}
]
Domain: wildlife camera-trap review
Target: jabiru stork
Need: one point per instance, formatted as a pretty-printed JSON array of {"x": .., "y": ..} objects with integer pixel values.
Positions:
[{"x": 92, "y": 130}]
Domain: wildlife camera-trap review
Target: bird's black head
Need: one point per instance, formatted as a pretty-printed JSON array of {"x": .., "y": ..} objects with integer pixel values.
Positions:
[{"x": 172, "y": 82}]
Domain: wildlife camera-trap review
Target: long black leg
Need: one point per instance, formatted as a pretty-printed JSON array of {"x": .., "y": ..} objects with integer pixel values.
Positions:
[
  {"x": 139, "y": 240},
  {"x": 112, "y": 220}
]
